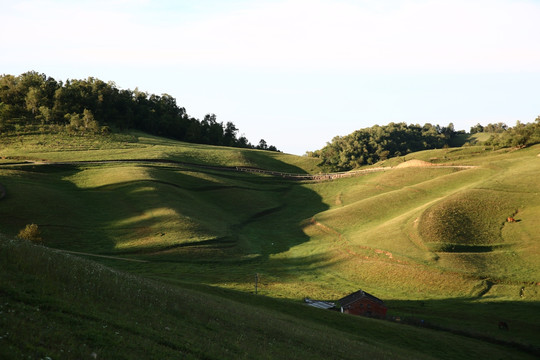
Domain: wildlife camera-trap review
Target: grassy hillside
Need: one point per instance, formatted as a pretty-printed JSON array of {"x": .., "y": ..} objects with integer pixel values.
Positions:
[
  {"x": 432, "y": 241},
  {"x": 59, "y": 306},
  {"x": 137, "y": 145}
]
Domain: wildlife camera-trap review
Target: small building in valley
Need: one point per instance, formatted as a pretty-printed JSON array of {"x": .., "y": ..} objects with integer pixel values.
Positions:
[{"x": 362, "y": 303}]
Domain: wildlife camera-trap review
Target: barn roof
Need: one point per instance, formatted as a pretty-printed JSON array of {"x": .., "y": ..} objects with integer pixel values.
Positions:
[
  {"x": 355, "y": 296},
  {"x": 319, "y": 304}
]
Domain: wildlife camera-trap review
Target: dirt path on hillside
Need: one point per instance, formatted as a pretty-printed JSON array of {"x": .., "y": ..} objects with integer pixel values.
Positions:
[{"x": 100, "y": 256}]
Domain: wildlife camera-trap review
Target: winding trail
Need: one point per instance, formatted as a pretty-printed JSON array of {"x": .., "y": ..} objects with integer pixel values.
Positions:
[{"x": 100, "y": 256}]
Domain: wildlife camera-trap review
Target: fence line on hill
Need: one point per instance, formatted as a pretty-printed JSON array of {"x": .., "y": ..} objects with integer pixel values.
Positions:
[
  {"x": 291, "y": 176},
  {"x": 337, "y": 175},
  {"x": 327, "y": 176}
]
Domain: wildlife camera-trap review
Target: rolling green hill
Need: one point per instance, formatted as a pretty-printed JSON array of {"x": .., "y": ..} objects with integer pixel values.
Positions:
[
  {"x": 60, "y": 306},
  {"x": 428, "y": 236}
]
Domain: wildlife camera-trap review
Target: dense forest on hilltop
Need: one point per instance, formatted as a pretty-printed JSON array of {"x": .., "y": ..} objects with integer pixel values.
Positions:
[
  {"x": 370, "y": 145},
  {"x": 94, "y": 106}
]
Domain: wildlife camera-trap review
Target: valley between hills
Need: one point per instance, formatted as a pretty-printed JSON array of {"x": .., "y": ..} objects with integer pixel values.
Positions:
[{"x": 160, "y": 241}]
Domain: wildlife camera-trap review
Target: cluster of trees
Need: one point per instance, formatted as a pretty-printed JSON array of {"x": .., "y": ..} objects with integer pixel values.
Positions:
[
  {"x": 489, "y": 128},
  {"x": 370, "y": 145},
  {"x": 367, "y": 146},
  {"x": 520, "y": 135},
  {"x": 92, "y": 106}
]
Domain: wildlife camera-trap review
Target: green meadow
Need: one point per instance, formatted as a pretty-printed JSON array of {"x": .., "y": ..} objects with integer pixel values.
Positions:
[{"x": 177, "y": 224}]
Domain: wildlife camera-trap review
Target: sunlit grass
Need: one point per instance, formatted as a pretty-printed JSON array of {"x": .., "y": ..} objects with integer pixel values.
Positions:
[
  {"x": 53, "y": 303},
  {"x": 95, "y": 177},
  {"x": 382, "y": 232},
  {"x": 137, "y": 145}
]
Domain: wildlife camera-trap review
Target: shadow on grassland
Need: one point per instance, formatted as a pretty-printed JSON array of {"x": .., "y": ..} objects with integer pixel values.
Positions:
[
  {"x": 238, "y": 221},
  {"x": 250, "y": 215},
  {"x": 512, "y": 324},
  {"x": 173, "y": 214},
  {"x": 68, "y": 217},
  {"x": 210, "y": 226}
]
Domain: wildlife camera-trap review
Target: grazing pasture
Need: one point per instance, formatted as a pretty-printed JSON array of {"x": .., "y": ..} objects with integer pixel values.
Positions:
[{"x": 432, "y": 241}]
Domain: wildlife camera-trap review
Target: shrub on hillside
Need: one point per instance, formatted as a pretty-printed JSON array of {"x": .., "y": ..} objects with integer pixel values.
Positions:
[{"x": 31, "y": 233}]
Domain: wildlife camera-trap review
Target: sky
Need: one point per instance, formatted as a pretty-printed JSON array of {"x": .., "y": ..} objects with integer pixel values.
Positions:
[{"x": 295, "y": 73}]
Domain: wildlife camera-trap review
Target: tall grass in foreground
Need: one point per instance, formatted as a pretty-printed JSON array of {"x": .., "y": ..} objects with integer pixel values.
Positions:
[
  {"x": 197, "y": 227},
  {"x": 63, "y": 307}
]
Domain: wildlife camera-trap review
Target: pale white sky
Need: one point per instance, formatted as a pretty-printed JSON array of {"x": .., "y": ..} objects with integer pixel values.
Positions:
[{"x": 294, "y": 72}]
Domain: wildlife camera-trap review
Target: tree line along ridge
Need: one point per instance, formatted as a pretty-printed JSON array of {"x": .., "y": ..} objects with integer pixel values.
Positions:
[
  {"x": 370, "y": 145},
  {"x": 95, "y": 106}
]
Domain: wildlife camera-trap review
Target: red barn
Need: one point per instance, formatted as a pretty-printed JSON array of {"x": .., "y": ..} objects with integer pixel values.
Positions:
[{"x": 362, "y": 303}]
